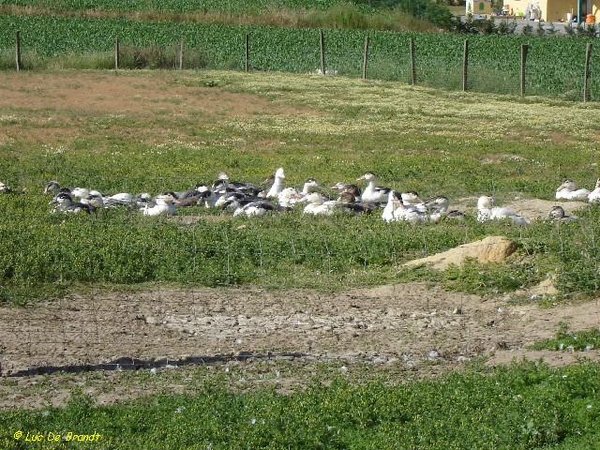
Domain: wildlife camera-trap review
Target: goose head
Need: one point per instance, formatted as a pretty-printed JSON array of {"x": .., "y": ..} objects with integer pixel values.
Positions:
[
  {"x": 369, "y": 176},
  {"x": 279, "y": 174},
  {"x": 411, "y": 197},
  {"x": 485, "y": 202},
  {"x": 568, "y": 185},
  {"x": 51, "y": 186},
  {"x": 62, "y": 198},
  {"x": 557, "y": 212}
]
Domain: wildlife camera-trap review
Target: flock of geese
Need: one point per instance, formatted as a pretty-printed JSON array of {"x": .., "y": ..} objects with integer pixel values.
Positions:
[{"x": 248, "y": 199}]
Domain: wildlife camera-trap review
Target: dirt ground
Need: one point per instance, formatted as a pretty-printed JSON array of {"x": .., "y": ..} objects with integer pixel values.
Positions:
[
  {"x": 415, "y": 326},
  {"x": 411, "y": 327}
]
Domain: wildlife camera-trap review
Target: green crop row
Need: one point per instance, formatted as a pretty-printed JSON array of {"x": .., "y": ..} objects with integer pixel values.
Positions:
[
  {"x": 179, "y": 6},
  {"x": 555, "y": 65}
]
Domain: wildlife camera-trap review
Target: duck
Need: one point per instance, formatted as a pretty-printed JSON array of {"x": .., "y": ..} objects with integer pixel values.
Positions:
[
  {"x": 4, "y": 189},
  {"x": 317, "y": 204},
  {"x": 412, "y": 198},
  {"x": 224, "y": 184},
  {"x": 487, "y": 211},
  {"x": 55, "y": 187},
  {"x": 558, "y": 213},
  {"x": 290, "y": 196},
  {"x": 373, "y": 193},
  {"x": 164, "y": 205},
  {"x": 277, "y": 185},
  {"x": 121, "y": 199},
  {"x": 396, "y": 210},
  {"x": 353, "y": 189},
  {"x": 348, "y": 203},
  {"x": 409, "y": 213},
  {"x": 392, "y": 204},
  {"x": 233, "y": 200},
  {"x": 258, "y": 207},
  {"x": 63, "y": 202},
  {"x": 94, "y": 199},
  {"x": 568, "y": 190},
  {"x": 594, "y": 196},
  {"x": 438, "y": 208}
]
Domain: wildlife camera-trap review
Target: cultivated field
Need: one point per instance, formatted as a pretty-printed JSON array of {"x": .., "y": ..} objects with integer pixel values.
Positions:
[{"x": 274, "y": 301}]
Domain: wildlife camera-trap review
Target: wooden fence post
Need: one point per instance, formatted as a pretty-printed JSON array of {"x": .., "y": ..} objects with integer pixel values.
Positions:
[
  {"x": 247, "y": 56},
  {"x": 18, "y": 50},
  {"x": 465, "y": 70},
  {"x": 524, "y": 49},
  {"x": 365, "y": 58},
  {"x": 413, "y": 70},
  {"x": 181, "y": 54},
  {"x": 117, "y": 53},
  {"x": 586, "y": 72},
  {"x": 322, "y": 49}
]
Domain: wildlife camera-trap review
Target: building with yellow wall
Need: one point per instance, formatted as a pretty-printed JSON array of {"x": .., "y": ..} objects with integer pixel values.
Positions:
[
  {"x": 549, "y": 10},
  {"x": 555, "y": 10}
]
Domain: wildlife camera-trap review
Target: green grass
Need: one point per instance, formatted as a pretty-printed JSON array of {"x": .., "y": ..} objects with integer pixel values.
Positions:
[
  {"x": 566, "y": 339},
  {"x": 523, "y": 406},
  {"x": 332, "y": 129}
]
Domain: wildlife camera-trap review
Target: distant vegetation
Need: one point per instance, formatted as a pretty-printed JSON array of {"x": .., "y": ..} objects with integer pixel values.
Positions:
[
  {"x": 419, "y": 15},
  {"x": 554, "y": 66}
]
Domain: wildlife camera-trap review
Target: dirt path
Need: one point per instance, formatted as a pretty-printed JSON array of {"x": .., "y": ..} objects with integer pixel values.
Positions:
[{"x": 409, "y": 326}]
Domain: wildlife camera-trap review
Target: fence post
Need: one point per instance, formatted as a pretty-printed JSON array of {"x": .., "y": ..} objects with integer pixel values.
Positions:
[
  {"x": 465, "y": 65},
  {"x": 413, "y": 70},
  {"x": 524, "y": 49},
  {"x": 586, "y": 72},
  {"x": 18, "y": 50},
  {"x": 322, "y": 49},
  {"x": 117, "y": 53},
  {"x": 181, "y": 54},
  {"x": 365, "y": 58},
  {"x": 247, "y": 57}
]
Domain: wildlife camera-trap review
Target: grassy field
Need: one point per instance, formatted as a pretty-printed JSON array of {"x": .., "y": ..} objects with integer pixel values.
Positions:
[
  {"x": 332, "y": 129},
  {"x": 524, "y": 406},
  {"x": 157, "y": 130}
]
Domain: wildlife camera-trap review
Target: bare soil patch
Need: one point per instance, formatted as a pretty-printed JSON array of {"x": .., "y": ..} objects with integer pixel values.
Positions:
[
  {"x": 50, "y": 108},
  {"x": 415, "y": 327}
]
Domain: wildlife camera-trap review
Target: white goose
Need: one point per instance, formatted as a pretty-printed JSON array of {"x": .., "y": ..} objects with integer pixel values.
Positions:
[
  {"x": 164, "y": 205},
  {"x": 319, "y": 205},
  {"x": 568, "y": 190},
  {"x": 373, "y": 193},
  {"x": 396, "y": 210},
  {"x": 487, "y": 211},
  {"x": 277, "y": 186},
  {"x": 289, "y": 196},
  {"x": 594, "y": 196},
  {"x": 120, "y": 199}
]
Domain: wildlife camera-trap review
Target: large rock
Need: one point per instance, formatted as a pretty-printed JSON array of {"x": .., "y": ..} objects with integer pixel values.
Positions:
[{"x": 490, "y": 249}]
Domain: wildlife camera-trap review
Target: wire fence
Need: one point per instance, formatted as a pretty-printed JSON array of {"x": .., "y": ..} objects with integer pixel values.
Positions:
[{"x": 550, "y": 66}]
